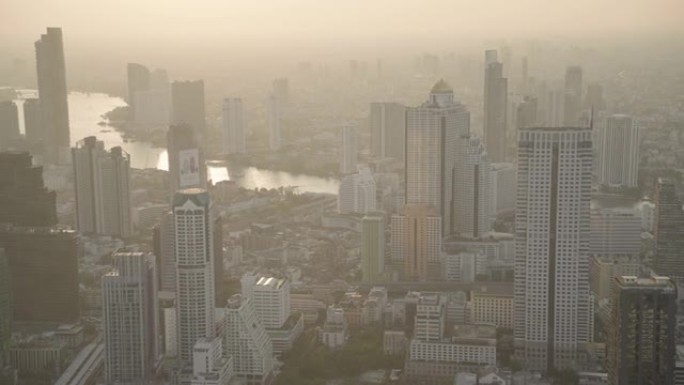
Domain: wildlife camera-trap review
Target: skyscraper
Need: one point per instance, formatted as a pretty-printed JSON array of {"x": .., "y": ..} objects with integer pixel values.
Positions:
[
  {"x": 233, "y": 126},
  {"x": 553, "y": 308},
  {"x": 472, "y": 190},
  {"x": 43, "y": 265},
  {"x": 357, "y": 193},
  {"x": 24, "y": 200},
  {"x": 270, "y": 297},
  {"x": 32, "y": 123},
  {"x": 9, "y": 125},
  {"x": 187, "y": 165},
  {"x": 573, "y": 96},
  {"x": 432, "y": 132},
  {"x": 165, "y": 250},
  {"x": 669, "y": 230},
  {"x": 617, "y": 151},
  {"x": 194, "y": 269},
  {"x": 247, "y": 342},
  {"x": 273, "y": 107},
  {"x": 641, "y": 340},
  {"x": 388, "y": 130},
  {"x": 101, "y": 181},
  {"x": 187, "y": 106},
  {"x": 349, "y": 149},
  {"x": 130, "y": 318},
  {"x": 495, "y": 108},
  {"x": 373, "y": 246},
  {"x": 138, "y": 80},
  {"x": 52, "y": 90},
  {"x": 416, "y": 241}
]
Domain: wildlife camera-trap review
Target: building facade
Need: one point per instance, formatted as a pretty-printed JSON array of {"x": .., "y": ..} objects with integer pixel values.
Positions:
[
  {"x": 495, "y": 107},
  {"x": 416, "y": 241},
  {"x": 669, "y": 230},
  {"x": 472, "y": 194},
  {"x": 233, "y": 127},
  {"x": 388, "y": 130},
  {"x": 373, "y": 246},
  {"x": 617, "y": 151}
]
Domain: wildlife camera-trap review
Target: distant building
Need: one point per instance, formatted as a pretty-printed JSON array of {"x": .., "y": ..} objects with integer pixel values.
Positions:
[
  {"x": 270, "y": 297},
  {"x": 504, "y": 181},
  {"x": 32, "y": 122},
  {"x": 152, "y": 107},
  {"x": 495, "y": 108},
  {"x": 373, "y": 247},
  {"x": 349, "y": 149},
  {"x": 617, "y": 151},
  {"x": 472, "y": 199},
  {"x": 334, "y": 333},
  {"x": 274, "y": 108},
  {"x": 24, "y": 200},
  {"x": 247, "y": 342},
  {"x": 233, "y": 126},
  {"x": 52, "y": 89},
  {"x": 138, "y": 80},
  {"x": 187, "y": 164},
  {"x": 641, "y": 341},
  {"x": 573, "y": 96},
  {"x": 394, "y": 342},
  {"x": 130, "y": 318},
  {"x": 388, "y": 130},
  {"x": 101, "y": 181},
  {"x": 357, "y": 193},
  {"x": 164, "y": 249},
  {"x": 9, "y": 125},
  {"x": 615, "y": 232},
  {"x": 492, "y": 306},
  {"x": 187, "y": 106},
  {"x": 669, "y": 230},
  {"x": 416, "y": 241}
]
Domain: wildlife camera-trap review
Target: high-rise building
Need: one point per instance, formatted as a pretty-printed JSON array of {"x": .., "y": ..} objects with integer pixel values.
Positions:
[
  {"x": 594, "y": 100},
  {"x": 432, "y": 133},
  {"x": 526, "y": 115},
  {"x": 617, "y": 151},
  {"x": 52, "y": 90},
  {"x": 349, "y": 149},
  {"x": 165, "y": 250},
  {"x": 9, "y": 125},
  {"x": 130, "y": 318},
  {"x": 373, "y": 246},
  {"x": 33, "y": 128},
  {"x": 388, "y": 130},
  {"x": 194, "y": 250},
  {"x": 641, "y": 340},
  {"x": 138, "y": 80},
  {"x": 274, "y": 106},
  {"x": 614, "y": 232},
  {"x": 43, "y": 265},
  {"x": 472, "y": 192},
  {"x": 416, "y": 241},
  {"x": 152, "y": 107},
  {"x": 357, "y": 193},
  {"x": 101, "y": 180},
  {"x": 270, "y": 297},
  {"x": 553, "y": 308},
  {"x": 187, "y": 165},
  {"x": 495, "y": 107},
  {"x": 233, "y": 126},
  {"x": 504, "y": 183},
  {"x": 187, "y": 106},
  {"x": 24, "y": 200},
  {"x": 247, "y": 342},
  {"x": 573, "y": 96},
  {"x": 669, "y": 230}
]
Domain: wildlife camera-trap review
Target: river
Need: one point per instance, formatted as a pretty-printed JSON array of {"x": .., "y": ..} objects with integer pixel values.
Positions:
[{"x": 86, "y": 110}]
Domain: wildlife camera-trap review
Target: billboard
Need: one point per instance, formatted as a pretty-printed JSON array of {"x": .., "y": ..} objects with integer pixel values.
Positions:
[{"x": 189, "y": 166}]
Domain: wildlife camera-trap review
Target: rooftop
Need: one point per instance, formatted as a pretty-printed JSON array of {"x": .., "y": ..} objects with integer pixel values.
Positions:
[
  {"x": 441, "y": 87},
  {"x": 270, "y": 282}
]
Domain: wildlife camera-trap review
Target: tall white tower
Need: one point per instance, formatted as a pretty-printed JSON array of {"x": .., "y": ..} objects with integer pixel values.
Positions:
[
  {"x": 432, "y": 133},
  {"x": 233, "y": 126},
  {"x": 130, "y": 322},
  {"x": 270, "y": 297},
  {"x": 617, "y": 151},
  {"x": 194, "y": 269},
  {"x": 553, "y": 309}
]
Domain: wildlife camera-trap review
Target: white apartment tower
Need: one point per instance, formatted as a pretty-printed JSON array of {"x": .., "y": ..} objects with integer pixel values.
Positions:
[
  {"x": 233, "y": 126},
  {"x": 101, "y": 183},
  {"x": 430, "y": 317},
  {"x": 553, "y": 308},
  {"x": 432, "y": 133},
  {"x": 246, "y": 340},
  {"x": 472, "y": 190},
  {"x": 617, "y": 151},
  {"x": 270, "y": 297},
  {"x": 129, "y": 321},
  {"x": 194, "y": 269},
  {"x": 357, "y": 193},
  {"x": 274, "y": 117},
  {"x": 349, "y": 149}
]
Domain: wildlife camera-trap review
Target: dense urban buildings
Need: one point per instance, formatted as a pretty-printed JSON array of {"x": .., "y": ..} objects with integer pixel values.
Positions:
[
  {"x": 669, "y": 230},
  {"x": 495, "y": 107},
  {"x": 52, "y": 91},
  {"x": 553, "y": 309},
  {"x": 24, "y": 200},
  {"x": 194, "y": 251},
  {"x": 130, "y": 318},
  {"x": 432, "y": 133},
  {"x": 187, "y": 163},
  {"x": 641, "y": 340},
  {"x": 101, "y": 182},
  {"x": 373, "y": 247},
  {"x": 617, "y": 150},
  {"x": 387, "y": 130},
  {"x": 233, "y": 127}
]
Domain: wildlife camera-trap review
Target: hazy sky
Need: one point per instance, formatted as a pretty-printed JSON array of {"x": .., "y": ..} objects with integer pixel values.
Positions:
[{"x": 343, "y": 19}]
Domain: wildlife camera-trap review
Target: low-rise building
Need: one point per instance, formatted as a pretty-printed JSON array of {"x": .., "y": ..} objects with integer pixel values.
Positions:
[
  {"x": 394, "y": 342},
  {"x": 334, "y": 331},
  {"x": 492, "y": 305}
]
